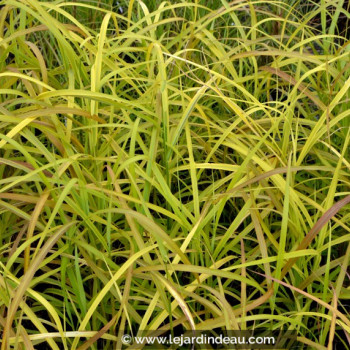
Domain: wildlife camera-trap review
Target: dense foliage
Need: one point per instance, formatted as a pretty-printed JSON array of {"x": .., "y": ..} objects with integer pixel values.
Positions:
[{"x": 173, "y": 163}]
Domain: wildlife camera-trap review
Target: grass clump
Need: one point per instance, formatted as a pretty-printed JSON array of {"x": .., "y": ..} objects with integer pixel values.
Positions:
[{"x": 173, "y": 163}]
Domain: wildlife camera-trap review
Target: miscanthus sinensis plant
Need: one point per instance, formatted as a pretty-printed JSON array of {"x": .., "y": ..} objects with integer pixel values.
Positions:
[{"x": 173, "y": 163}]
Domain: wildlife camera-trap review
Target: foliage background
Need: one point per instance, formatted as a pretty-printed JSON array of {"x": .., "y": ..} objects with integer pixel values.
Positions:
[{"x": 173, "y": 163}]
